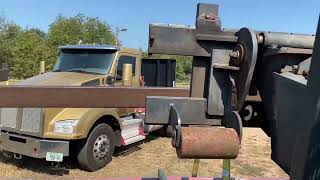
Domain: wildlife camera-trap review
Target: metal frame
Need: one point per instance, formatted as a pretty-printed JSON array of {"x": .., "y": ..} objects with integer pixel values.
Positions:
[
  {"x": 32, "y": 147},
  {"x": 82, "y": 97},
  {"x": 294, "y": 141}
]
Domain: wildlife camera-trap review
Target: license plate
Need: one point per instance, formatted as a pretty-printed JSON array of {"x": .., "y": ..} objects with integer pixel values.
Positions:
[{"x": 55, "y": 157}]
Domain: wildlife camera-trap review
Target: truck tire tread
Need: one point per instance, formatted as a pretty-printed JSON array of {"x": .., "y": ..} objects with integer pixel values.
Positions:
[{"x": 85, "y": 156}]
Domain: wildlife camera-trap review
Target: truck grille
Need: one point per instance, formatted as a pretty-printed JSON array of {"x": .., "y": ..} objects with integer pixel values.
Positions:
[
  {"x": 22, "y": 120},
  {"x": 9, "y": 117}
]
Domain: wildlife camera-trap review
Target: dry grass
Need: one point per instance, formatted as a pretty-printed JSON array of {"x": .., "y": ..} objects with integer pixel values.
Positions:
[{"x": 156, "y": 153}]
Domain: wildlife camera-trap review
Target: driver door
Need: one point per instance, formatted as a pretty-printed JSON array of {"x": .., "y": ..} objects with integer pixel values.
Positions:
[{"x": 125, "y": 59}]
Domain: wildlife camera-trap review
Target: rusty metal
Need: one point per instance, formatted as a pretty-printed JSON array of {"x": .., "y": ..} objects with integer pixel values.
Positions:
[
  {"x": 52, "y": 96},
  {"x": 183, "y": 40},
  {"x": 237, "y": 55},
  {"x": 208, "y": 17},
  {"x": 208, "y": 143},
  {"x": 179, "y": 37}
]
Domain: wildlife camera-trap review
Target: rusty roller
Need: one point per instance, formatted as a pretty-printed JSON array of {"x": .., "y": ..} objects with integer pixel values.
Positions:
[{"x": 208, "y": 143}]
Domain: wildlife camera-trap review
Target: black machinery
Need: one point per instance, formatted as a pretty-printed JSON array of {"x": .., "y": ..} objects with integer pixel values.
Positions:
[{"x": 282, "y": 69}]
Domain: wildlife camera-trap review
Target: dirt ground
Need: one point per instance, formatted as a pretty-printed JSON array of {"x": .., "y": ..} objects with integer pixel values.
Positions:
[{"x": 143, "y": 160}]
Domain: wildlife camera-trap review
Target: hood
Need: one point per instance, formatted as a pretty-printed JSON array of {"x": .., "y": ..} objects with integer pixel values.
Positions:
[{"x": 60, "y": 79}]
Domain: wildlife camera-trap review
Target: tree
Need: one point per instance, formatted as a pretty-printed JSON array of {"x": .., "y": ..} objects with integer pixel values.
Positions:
[
  {"x": 65, "y": 31},
  {"x": 8, "y": 33},
  {"x": 96, "y": 31},
  {"x": 89, "y": 30},
  {"x": 29, "y": 49},
  {"x": 37, "y": 31},
  {"x": 23, "y": 49}
]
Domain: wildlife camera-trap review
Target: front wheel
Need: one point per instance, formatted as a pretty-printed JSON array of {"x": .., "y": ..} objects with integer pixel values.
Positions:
[{"x": 98, "y": 149}]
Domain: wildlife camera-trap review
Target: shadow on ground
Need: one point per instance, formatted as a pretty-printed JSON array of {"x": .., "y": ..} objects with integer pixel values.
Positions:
[
  {"x": 40, "y": 165},
  {"x": 69, "y": 163},
  {"x": 126, "y": 150}
]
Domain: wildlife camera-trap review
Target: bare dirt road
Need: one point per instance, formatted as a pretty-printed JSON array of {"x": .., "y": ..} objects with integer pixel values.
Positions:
[{"x": 145, "y": 159}]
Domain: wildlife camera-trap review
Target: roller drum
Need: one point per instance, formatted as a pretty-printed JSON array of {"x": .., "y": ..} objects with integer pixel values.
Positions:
[{"x": 208, "y": 143}]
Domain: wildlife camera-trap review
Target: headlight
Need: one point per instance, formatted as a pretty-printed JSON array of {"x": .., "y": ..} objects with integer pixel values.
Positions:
[{"x": 65, "y": 126}]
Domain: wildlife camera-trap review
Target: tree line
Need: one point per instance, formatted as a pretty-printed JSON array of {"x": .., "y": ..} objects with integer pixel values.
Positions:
[{"x": 24, "y": 48}]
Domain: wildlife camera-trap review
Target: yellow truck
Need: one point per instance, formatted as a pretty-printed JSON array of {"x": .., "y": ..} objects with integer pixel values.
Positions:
[{"x": 89, "y": 134}]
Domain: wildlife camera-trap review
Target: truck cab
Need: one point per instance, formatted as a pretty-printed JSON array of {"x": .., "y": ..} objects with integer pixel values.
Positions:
[{"x": 89, "y": 134}]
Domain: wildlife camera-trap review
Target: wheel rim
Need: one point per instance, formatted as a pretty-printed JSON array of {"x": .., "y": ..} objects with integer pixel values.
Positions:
[{"x": 101, "y": 147}]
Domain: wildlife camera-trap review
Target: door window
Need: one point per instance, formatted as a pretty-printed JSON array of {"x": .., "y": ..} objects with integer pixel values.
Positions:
[{"x": 126, "y": 60}]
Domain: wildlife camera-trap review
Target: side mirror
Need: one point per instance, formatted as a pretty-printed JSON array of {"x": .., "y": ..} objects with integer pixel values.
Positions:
[
  {"x": 118, "y": 77},
  {"x": 108, "y": 80}
]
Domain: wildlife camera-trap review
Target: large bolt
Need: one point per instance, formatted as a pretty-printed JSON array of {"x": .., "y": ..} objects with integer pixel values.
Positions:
[{"x": 260, "y": 39}]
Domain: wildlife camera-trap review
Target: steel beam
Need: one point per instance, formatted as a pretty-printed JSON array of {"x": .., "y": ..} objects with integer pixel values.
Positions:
[
  {"x": 288, "y": 40},
  {"x": 82, "y": 97},
  {"x": 185, "y": 40}
]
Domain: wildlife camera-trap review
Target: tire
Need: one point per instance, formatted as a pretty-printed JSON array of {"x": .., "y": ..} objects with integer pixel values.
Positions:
[{"x": 92, "y": 154}]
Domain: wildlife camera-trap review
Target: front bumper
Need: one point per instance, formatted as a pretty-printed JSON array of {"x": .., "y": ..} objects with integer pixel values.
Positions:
[{"x": 30, "y": 146}]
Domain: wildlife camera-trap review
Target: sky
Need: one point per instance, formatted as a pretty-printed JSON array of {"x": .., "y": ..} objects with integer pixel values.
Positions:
[{"x": 295, "y": 16}]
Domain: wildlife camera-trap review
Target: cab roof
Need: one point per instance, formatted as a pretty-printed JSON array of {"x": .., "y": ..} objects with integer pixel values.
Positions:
[
  {"x": 91, "y": 47},
  {"x": 101, "y": 47}
]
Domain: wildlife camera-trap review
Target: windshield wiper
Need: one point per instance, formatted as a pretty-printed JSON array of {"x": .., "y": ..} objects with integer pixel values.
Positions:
[
  {"x": 82, "y": 71},
  {"x": 77, "y": 70}
]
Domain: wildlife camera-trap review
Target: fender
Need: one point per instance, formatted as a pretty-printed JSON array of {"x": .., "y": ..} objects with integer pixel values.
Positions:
[{"x": 87, "y": 118}]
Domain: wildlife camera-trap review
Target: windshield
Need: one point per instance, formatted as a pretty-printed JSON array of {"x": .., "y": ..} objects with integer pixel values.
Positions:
[{"x": 88, "y": 61}]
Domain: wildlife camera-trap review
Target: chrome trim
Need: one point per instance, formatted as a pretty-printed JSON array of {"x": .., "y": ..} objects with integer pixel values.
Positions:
[
  {"x": 31, "y": 120},
  {"x": 20, "y": 124},
  {"x": 8, "y": 117},
  {"x": 27, "y": 146}
]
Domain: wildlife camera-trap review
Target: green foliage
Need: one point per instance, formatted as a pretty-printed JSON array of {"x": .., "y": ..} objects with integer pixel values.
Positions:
[
  {"x": 37, "y": 31},
  {"x": 28, "y": 50},
  {"x": 79, "y": 28},
  {"x": 8, "y": 33},
  {"x": 23, "y": 49}
]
